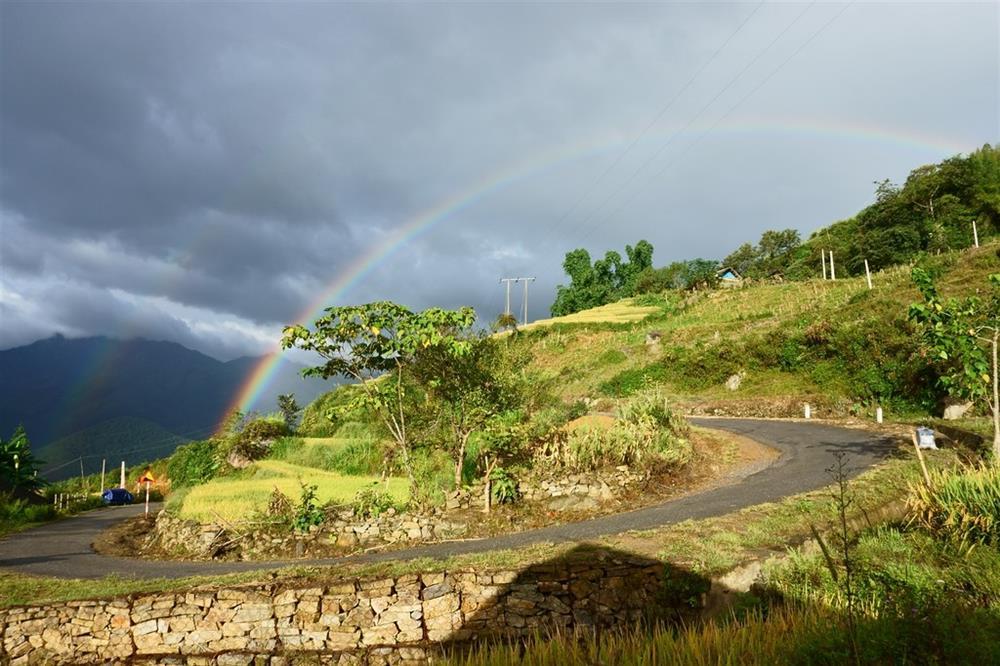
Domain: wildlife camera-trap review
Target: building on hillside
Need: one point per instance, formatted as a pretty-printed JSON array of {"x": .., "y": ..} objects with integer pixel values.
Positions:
[{"x": 728, "y": 277}]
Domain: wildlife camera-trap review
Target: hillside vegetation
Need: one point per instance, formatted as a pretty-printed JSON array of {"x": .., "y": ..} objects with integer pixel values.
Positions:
[{"x": 833, "y": 340}]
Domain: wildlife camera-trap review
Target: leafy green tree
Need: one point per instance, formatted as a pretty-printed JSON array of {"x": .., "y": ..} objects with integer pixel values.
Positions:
[
  {"x": 375, "y": 344},
  {"x": 743, "y": 259},
  {"x": 506, "y": 322},
  {"x": 962, "y": 336},
  {"x": 602, "y": 281},
  {"x": 18, "y": 466},
  {"x": 290, "y": 410},
  {"x": 468, "y": 389}
]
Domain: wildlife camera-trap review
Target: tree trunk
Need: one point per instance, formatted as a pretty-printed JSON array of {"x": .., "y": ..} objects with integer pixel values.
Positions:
[
  {"x": 460, "y": 460},
  {"x": 488, "y": 486}
]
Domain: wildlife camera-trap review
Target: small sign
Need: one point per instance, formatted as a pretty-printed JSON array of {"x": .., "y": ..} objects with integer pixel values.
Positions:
[
  {"x": 925, "y": 438},
  {"x": 147, "y": 477}
]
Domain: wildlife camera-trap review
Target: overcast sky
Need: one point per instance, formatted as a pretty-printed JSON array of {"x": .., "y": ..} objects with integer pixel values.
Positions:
[{"x": 200, "y": 172}]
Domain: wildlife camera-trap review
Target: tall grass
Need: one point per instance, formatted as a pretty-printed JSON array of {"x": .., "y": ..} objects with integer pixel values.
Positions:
[
  {"x": 963, "y": 504},
  {"x": 789, "y": 634}
]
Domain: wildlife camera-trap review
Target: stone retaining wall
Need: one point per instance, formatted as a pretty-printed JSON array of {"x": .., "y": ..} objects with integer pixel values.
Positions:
[
  {"x": 348, "y": 533},
  {"x": 406, "y": 619}
]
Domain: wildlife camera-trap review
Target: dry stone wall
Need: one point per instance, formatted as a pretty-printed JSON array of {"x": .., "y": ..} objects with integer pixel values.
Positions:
[{"x": 400, "y": 620}]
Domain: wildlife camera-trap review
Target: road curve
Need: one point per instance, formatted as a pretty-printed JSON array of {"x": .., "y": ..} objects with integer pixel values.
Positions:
[{"x": 63, "y": 548}]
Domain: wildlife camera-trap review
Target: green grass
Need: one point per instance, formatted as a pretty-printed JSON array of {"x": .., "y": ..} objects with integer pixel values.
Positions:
[{"x": 239, "y": 496}]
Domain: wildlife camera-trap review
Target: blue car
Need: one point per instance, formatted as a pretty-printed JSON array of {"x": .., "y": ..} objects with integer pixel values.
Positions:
[{"x": 116, "y": 496}]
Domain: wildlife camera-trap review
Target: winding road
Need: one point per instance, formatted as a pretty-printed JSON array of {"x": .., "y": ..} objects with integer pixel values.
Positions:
[{"x": 63, "y": 549}]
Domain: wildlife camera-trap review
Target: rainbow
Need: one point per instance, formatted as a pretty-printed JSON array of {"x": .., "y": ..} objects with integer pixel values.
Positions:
[{"x": 258, "y": 380}]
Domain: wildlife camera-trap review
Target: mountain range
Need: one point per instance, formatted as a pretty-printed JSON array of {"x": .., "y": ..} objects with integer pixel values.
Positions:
[{"x": 103, "y": 397}]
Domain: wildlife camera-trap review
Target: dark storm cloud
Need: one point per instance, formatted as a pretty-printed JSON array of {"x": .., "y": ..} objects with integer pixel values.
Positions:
[{"x": 205, "y": 170}]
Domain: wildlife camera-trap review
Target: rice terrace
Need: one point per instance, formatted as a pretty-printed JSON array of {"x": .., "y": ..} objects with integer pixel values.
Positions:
[{"x": 499, "y": 333}]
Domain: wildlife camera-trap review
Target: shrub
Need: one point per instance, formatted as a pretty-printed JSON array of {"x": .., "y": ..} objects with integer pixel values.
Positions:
[
  {"x": 370, "y": 502},
  {"x": 646, "y": 431},
  {"x": 307, "y": 512},
  {"x": 612, "y": 357},
  {"x": 254, "y": 441},
  {"x": 963, "y": 504},
  {"x": 193, "y": 463},
  {"x": 504, "y": 486}
]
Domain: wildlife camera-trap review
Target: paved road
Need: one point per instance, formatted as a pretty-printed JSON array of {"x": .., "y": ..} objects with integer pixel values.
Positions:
[{"x": 63, "y": 548}]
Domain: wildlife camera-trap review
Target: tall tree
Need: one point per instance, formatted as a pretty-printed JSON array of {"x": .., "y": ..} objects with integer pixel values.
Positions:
[
  {"x": 603, "y": 281},
  {"x": 290, "y": 410},
  {"x": 375, "y": 344},
  {"x": 467, "y": 390}
]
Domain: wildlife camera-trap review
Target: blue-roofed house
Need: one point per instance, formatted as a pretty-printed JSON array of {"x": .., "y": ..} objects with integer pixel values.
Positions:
[{"x": 728, "y": 277}]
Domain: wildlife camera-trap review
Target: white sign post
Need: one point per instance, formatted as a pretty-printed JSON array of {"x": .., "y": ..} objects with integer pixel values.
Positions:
[
  {"x": 975, "y": 233},
  {"x": 808, "y": 411},
  {"x": 103, "y": 462},
  {"x": 147, "y": 498},
  {"x": 868, "y": 274},
  {"x": 122, "y": 484}
]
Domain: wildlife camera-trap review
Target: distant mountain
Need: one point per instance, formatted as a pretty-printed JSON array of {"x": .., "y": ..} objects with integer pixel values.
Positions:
[{"x": 60, "y": 387}]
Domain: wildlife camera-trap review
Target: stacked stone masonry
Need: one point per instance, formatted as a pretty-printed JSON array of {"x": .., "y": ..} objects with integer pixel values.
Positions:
[{"x": 402, "y": 620}]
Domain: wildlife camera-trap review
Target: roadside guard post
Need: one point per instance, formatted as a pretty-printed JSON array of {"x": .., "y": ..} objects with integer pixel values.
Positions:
[
  {"x": 147, "y": 478},
  {"x": 925, "y": 438}
]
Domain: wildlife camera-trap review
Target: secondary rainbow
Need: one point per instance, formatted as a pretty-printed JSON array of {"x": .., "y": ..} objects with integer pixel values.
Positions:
[{"x": 354, "y": 273}]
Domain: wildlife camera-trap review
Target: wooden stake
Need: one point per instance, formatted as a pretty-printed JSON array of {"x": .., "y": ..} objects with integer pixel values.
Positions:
[
  {"x": 868, "y": 274},
  {"x": 920, "y": 457}
]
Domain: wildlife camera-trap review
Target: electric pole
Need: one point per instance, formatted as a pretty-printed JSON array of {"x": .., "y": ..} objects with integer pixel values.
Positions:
[
  {"x": 508, "y": 281},
  {"x": 524, "y": 304}
]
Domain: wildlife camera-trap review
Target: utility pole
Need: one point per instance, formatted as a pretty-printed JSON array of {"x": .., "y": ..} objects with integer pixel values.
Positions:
[
  {"x": 822, "y": 253},
  {"x": 524, "y": 304},
  {"x": 508, "y": 281},
  {"x": 833, "y": 271}
]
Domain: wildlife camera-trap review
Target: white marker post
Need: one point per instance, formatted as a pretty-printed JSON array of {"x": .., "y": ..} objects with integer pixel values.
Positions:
[
  {"x": 833, "y": 271},
  {"x": 975, "y": 233},
  {"x": 868, "y": 274},
  {"x": 147, "y": 498},
  {"x": 878, "y": 415},
  {"x": 808, "y": 411},
  {"x": 103, "y": 461},
  {"x": 822, "y": 254},
  {"x": 122, "y": 484}
]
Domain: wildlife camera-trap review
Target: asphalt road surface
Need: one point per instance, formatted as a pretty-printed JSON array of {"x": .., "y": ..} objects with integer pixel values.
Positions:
[{"x": 63, "y": 548}]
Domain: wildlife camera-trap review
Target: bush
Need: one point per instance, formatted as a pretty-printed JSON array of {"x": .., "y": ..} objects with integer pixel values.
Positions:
[
  {"x": 307, "y": 511},
  {"x": 371, "y": 502},
  {"x": 193, "y": 463},
  {"x": 962, "y": 504},
  {"x": 612, "y": 357},
  {"x": 504, "y": 486},
  {"x": 254, "y": 441},
  {"x": 647, "y": 431}
]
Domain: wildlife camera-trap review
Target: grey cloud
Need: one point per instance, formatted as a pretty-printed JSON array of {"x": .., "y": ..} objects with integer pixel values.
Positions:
[{"x": 235, "y": 159}]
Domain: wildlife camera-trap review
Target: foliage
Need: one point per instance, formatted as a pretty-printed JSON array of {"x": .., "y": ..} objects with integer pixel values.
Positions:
[
  {"x": 600, "y": 282},
  {"x": 962, "y": 336},
  {"x": 307, "y": 512},
  {"x": 465, "y": 390},
  {"x": 18, "y": 512},
  {"x": 963, "y": 504},
  {"x": 375, "y": 344},
  {"x": 255, "y": 438},
  {"x": 932, "y": 211},
  {"x": 771, "y": 254},
  {"x": 370, "y": 502},
  {"x": 280, "y": 505},
  {"x": 290, "y": 410},
  {"x": 504, "y": 486},
  {"x": 500, "y": 442},
  {"x": 505, "y": 322},
  {"x": 18, "y": 466},
  {"x": 193, "y": 463},
  {"x": 647, "y": 430}
]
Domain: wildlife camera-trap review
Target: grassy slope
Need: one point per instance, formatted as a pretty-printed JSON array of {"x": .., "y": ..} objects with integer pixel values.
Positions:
[{"x": 586, "y": 354}]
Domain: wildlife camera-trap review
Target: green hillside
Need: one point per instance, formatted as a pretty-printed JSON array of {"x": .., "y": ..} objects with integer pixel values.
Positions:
[
  {"x": 127, "y": 438},
  {"x": 834, "y": 342}
]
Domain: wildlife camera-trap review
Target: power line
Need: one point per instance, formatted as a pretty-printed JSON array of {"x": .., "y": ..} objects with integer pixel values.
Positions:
[
  {"x": 656, "y": 119},
  {"x": 733, "y": 108},
  {"x": 656, "y": 155}
]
